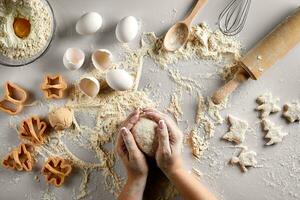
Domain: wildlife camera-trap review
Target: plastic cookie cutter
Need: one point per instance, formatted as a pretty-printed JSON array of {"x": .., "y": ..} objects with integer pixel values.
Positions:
[
  {"x": 14, "y": 99},
  {"x": 33, "y": 130},
  {"x": 19, "y": 159},
  {"x": 54, "y": 87},
  {"x": 56, "y": 170}
]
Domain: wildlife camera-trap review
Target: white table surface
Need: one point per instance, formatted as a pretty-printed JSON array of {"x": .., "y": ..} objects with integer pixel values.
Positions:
[{"x": 279, "y": 177}]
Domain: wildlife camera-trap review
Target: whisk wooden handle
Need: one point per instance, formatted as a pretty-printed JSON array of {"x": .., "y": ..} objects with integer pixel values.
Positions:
[
  {"x": 200, "y": 4},
  {"x": 221, "y": 94}
]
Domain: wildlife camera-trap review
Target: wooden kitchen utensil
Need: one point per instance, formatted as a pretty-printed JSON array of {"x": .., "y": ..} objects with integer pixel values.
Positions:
[
  {"x": 178, "y": 34},
  {"x": 264, "y": 55}
]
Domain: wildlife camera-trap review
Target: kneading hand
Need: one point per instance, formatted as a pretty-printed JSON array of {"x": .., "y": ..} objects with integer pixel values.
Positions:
[
  {"x": 133, "y": 159},
  {"x": 170, "y": 137}
]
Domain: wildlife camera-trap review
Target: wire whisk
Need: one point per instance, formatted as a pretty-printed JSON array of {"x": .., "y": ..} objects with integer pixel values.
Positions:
[{"x": 233, "y": 18}]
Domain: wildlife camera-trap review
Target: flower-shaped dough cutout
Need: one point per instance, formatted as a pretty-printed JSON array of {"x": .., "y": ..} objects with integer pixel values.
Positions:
[
  {"x": 274, "y": 133},
  {"x": 291, "y": 111},
  {"x": 54, "y": 87},
  {"x": 236, "y": 131},
  {"x": 19, "y": 159},
  {"x": 33, "y": 130},
  {"x": 267, "y": 105},
  {"x": 245, "y": 159},
  {"x": 56, "y": 170}
]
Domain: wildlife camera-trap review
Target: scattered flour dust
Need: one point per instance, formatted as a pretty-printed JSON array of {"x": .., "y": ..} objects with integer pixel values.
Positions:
[{"x": 110, "y": 108}]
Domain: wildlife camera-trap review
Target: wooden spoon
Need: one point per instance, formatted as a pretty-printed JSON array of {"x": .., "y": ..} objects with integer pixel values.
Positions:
[{"x": 178, "y": 34}]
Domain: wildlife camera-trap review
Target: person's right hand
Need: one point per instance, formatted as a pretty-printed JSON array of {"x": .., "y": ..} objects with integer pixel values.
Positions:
[{"x": 170, "y": 141}]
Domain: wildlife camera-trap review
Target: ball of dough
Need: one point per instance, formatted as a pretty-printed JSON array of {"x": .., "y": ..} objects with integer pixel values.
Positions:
[
  {"x": 61, "y": 118},
  {"x": 144, "y": 134}
]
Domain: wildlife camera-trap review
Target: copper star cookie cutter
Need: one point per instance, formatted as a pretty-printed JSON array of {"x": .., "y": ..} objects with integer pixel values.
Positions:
[
  {"x": 33, "y": 130},
  {"x": 54, "y": 87},
  {"x": 19, "y": 159},
  {"x": 14, "y": 99},
  {"x": 56, "y": 170}
]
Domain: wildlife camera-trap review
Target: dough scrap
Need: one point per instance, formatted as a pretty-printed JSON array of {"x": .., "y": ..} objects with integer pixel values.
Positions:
[
  {"x": 144, "y": 134},
  {"x": 274, "y": 133},
  {"x": 267, "y": 105},
  {"x": 197, "y": 143},
  {"x": 245, "y": 159},
  {"x": 291, "y": 111},
  {"x": 236, "y": 131}
]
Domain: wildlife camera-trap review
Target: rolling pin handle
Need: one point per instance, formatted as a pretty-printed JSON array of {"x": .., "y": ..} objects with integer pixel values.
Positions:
[{"x": 240, "y": 77}]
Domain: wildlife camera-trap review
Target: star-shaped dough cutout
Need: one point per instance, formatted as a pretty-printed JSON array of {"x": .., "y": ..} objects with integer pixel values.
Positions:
[
  {"x": 267, "y": 105},
  {"x": 236, "y": 131},
  {"x": 274, "y": 133},
  {"x": 245, "y": 159},
  {"x": 291, "y": 111}
]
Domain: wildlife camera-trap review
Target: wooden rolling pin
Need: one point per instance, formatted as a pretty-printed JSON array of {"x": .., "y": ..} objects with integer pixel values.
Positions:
[{"x": 264, "y": 55}]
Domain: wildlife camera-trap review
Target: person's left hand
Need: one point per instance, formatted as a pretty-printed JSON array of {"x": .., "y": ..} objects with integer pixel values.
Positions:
[{"x": 133, "y": 159}]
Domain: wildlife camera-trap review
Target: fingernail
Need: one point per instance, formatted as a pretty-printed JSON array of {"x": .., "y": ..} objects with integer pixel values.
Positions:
[
  {"x": 124, "y": 131},
  {"x": 161, "y": 124}
]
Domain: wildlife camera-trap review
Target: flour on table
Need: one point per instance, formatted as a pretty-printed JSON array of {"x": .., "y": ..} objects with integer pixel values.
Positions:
[
  {"x": 274, "y": 133},
  {"x": 202, "y": 119},
  {"x": 291, "y": 111},
  {"x": 267, "y": 105},
  {"x": 175, "y": 106},
  {"x": 198, "y": 144},
  {"x": 214, "y": 110},
  {"x": 245, "y": 159},
  {"x": 236, "y": 131}
]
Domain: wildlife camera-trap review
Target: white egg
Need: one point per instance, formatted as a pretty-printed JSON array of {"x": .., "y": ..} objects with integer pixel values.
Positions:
[
  {"x": 89, "y": 23},
  {"x": 127, "y": 29},
  {"x": 90, "y": 86},
  {"x": 119, "y": 79},
  {"x": 73, "y": 58},
  {"x": 102, "y": 59}
]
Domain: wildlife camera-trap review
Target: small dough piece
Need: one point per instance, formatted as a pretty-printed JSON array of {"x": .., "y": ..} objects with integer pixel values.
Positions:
[
  {"x": 198, "y": 144},
  {"x": 245, "y": 159},
  {"x": 236, "y": 131},
  {"x": 267, "y": 105},
  {"x": 291, "y": 111},
  {"x": 61, "y": 118},
  {"x": 274, "y": 133},
  {"x": 144, "y": 134}
]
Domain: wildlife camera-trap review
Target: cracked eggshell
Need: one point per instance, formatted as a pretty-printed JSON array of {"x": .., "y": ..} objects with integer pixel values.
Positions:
[
  {"x": 73, "y": 58},
  {"x": 127, "y": 29},
  {"x": 90, "y": 86},
  {"x": 89, "y": 23},
  {"x": 102, "y": 59},
  {"x": 119, "y": 79}
]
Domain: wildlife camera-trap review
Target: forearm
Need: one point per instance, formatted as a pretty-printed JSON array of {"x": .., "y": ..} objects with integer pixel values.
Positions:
[
  {"x": 189, "y": 187},
  {"x": 133, "y": 189}
]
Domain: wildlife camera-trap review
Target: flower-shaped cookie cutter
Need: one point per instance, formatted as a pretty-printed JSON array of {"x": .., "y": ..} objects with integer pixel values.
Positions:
[
  {"x": 56, "y": 170},
  {"x": 33, "y": 130},
  {"x": 14, "y": 99},
  {"x": 19, "y": 159},
  {"x": 54, "y": 87}
]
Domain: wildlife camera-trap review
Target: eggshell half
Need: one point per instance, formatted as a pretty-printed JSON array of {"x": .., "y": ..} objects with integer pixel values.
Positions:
[
  {"x": 73, "y": 58},
  {"x": 102, "y": 59},
  {"x": 90, "y": 86}
]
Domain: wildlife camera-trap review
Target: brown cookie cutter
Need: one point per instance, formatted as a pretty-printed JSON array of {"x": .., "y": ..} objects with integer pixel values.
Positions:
[
  {"x": 33, "y": 130},
  {"x": 19, "y": 159},
  {"x": 56, "y": 170},
  {"x": 14, "y": 99},
  {"x": 54, "y": 87}
]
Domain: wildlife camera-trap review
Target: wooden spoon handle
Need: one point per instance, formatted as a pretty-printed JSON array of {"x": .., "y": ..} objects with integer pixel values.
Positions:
[
  {"x": 200, "y": 4},
  {"x": 240, "y": 77}
]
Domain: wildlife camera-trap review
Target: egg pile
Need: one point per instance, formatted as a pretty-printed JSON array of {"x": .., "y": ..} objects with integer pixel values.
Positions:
[{"x": 73, "y": 59}]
